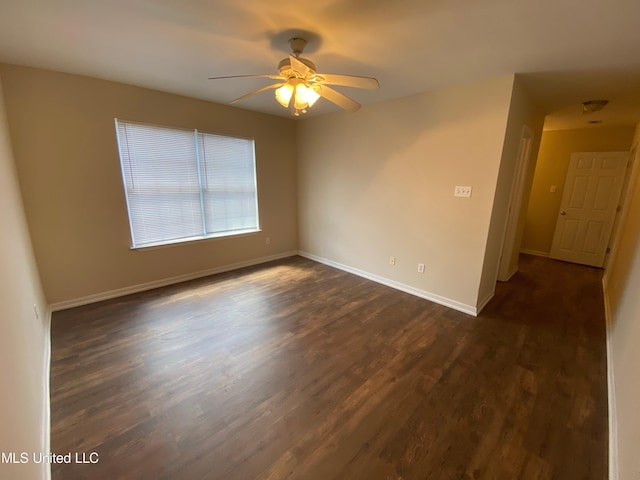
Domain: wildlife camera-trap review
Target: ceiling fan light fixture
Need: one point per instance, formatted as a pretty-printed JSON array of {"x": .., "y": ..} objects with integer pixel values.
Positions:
[
  {"x": 283, "y": 94},
  {"x": 300, "y": 86},
  {"x": 305, "y": 95}
]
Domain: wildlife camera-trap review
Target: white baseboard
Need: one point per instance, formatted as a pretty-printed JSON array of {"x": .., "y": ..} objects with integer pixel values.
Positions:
[
  {"x": 432, "y": 297},
  {"x": 534, "y": 252},
  {"x": 45, "y": 442},
  {"x": 611, "y": 390},
  {"x": 484, "y": 302},
  {"x": 510, "y": 274},
  {"x": 120, "y": 292}
]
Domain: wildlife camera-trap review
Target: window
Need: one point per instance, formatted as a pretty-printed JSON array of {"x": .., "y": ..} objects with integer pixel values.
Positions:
[{"x": 185, "y": 185}]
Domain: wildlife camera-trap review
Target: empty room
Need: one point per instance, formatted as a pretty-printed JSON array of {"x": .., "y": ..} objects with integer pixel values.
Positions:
[{"x": 323, "y": 240}]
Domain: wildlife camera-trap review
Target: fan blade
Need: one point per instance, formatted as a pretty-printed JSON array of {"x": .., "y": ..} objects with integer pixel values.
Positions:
[
  {"x": 299, "y": 67},
  {"x": 336, "y": 97},
  {"x": 260, "y": 90},
  {"x": 354, "y": 81},
  {"x": 275, "y": 77}
]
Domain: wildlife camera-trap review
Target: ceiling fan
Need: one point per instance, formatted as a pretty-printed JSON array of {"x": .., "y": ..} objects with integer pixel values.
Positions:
[{"x": 300, "y": 85}]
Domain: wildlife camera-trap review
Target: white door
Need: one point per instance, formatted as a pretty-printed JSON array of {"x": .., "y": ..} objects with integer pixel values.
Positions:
[{"x": 588, "y": 207}]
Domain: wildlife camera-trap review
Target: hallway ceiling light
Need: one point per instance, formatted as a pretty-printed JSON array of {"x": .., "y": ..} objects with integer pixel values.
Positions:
[{"x": 591, "y": 106}]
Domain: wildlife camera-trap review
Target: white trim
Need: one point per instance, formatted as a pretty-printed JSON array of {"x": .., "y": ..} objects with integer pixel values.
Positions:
[
  {"x": 447, "y": 302},
  {"x": 120, "y": 292},
  {"x": 45, "y": 441},
  {"x": 484, "y": 302},
  {"x": 510, "y": 274},
  {"x": 611, "y": 384},
  {"x": 201, "y": 238},
  {"x": 534, "y": 252},
  {"x": 633, "y": 169},
  {"x": 521, "y": 175}
]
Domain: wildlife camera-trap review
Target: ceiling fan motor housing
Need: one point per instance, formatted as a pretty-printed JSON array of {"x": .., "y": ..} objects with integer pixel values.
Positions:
[{"x": 284, "y": 67}]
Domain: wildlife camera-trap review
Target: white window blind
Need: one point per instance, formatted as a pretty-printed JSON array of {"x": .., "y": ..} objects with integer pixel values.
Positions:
[{"x": 184, "y": 185}]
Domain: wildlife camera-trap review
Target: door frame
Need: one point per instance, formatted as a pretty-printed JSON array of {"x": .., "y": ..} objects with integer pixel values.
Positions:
[
  {"x": 628, "y": 187},
  {"x": 505, "y": 270}
]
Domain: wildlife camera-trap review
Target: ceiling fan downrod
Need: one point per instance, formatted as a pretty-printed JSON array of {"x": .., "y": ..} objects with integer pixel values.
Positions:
[{"x": 297, "y": 45}]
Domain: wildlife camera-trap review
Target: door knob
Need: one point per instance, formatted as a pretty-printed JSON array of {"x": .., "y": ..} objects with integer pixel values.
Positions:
[{"x": 562, "y": 212}]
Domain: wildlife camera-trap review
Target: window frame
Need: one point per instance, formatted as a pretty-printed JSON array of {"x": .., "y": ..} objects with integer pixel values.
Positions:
[{"x": 196, "y": 238}]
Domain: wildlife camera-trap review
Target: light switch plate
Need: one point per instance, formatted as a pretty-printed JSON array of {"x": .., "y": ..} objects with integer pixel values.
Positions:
[{"x": 462, "y": 191}]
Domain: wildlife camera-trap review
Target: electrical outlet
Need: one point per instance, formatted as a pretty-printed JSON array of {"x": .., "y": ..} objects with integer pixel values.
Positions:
[
  {"x": 392, "y": 261},
  {"x": 421, "y": 268},
  {"x": 462, "y": 191},
  {"x": 267, "y": 241}
]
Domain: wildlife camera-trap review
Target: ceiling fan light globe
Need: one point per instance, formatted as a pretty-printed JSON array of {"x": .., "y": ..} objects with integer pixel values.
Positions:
[
  {"x": 307, "y": 96},
  {"x": 300, "y": 102},
  {"x": 283, "y": 95},
  {"x": 312, "y": 96}
]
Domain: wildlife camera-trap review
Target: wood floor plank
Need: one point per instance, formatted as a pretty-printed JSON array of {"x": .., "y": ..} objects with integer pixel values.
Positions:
[{"x": 295, "y": 370}]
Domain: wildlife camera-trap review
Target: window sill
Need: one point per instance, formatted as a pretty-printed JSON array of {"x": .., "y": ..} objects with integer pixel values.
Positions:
[{"x": 190, "y": 240}]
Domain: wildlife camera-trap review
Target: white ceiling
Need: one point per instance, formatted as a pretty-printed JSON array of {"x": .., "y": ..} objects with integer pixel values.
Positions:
[{"x": 568, "y": 50}]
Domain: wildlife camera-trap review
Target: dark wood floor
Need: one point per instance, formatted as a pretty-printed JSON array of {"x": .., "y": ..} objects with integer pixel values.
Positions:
[{"x": 296, "y": 370}]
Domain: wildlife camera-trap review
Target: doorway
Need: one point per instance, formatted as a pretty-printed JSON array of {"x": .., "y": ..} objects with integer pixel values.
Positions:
[
  {"x": 550, "y": 178},
  {"x": 510, "y": 245}
]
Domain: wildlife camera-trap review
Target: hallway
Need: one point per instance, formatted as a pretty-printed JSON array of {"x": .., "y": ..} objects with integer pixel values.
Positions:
[{"x": 555, "y": 311}]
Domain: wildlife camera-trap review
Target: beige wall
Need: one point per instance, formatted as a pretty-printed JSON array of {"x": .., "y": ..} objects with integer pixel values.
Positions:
[
  {"x": 380, "y": 182},
  {"x": 24, "y": 339},
  {"x": 62, "y": 129},
  {"x": 622, "y": 285},
  {"x": 522, "y": 111},
  {"x": 553, "y": 162}
]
